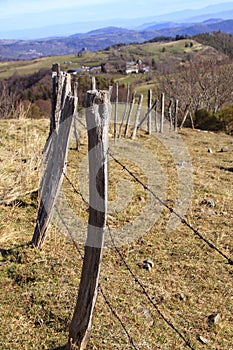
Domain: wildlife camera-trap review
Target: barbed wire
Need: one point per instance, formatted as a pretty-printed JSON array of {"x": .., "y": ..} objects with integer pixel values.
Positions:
[
  {"x": 75, "y": 189},
  {"x": 182, "y": 220},
  {"x": 136, "y": 280},
  {"x": 172, "y": 211},
  {"x": 108, "y": 303},
  {"x": 117, "y": 317}
]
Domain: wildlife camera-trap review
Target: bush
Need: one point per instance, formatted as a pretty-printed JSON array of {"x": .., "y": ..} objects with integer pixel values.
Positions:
[
  {"x": 205, "y": 120},
  {"x": 225, "y": 117}
]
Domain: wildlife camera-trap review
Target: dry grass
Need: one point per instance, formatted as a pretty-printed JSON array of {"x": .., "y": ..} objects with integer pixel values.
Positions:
[{"x": 42, "y": 285}]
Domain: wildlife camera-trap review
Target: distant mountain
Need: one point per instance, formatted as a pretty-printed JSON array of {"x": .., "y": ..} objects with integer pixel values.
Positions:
[
  {"x": 203, "y": 27},
  {"x": 222, "y": 11},
  {"x": 103, "y": 38},
  {"x": 66, "y": 23}
]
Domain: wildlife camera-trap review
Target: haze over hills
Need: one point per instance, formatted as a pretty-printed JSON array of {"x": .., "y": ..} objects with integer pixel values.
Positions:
[
  {"x": 67, "y": 26},
  {"x": 187, "y": 22}
]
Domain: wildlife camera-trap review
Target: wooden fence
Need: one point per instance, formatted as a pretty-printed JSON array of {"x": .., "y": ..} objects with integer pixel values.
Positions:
[{"x": 98, "y": 115}]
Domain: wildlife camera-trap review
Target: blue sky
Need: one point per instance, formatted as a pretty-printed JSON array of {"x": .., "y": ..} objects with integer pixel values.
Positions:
[{"x": 23, "y": 14}]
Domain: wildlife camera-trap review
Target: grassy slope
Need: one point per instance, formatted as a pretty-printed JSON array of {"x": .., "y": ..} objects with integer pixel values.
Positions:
[
  {"x": 43, "y": 284},
  {"x": 152, "y": 50}
]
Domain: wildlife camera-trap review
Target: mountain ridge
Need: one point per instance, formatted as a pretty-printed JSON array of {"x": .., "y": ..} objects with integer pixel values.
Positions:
[
  {"x": 64, "y": 28},
  {"x": 102, "y": 38}
]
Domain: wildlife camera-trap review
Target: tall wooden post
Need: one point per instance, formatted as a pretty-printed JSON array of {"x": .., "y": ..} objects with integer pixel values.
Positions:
[
  {"x": 147, "y": 114},
  {"x": 176, "y": 115},
  {"x": 126, "y": 109},
  {"x": 162, "y": 112},
  {"x": 97, "y": 116},
  {"x": 76, "y": 132},
  {"x": 53, "y": 176},
  {"x": 137, "y": 116},
  {"x": 186, "y": 113},
  {"x": 170, "y": 114},
  {"x": 149, "y": 102},
  {"x": 93, "y": 83},
  {"x": 156, "y": 116},
  {"x": 115, "y": 114},
  {"x": 55, "y": 77},
  {"x": 129, "y": 114}
]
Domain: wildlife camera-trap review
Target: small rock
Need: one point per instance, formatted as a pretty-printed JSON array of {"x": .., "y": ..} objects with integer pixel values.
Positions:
[
  {"x": 180, "y": 163},
  {"x": 213, "y": 318},
  {"x": 180, "y": 296},
  {"x": 147, "y": 266},
  {"x": 209, "y": 202},
  {"x": 203, "y": 340},
  {"x": 39, "y": 322},
  {"x": 141, "y": 199},
  {"x": 149, "y": 262},
  {"x": 210, "y": 150},
  {"x": 224, "y": 149}
]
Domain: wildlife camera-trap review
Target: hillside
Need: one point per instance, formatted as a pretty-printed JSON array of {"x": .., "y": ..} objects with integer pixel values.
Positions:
[
  {"x": 164, "y": 65},
  {"x": 190, "y": 280},
  {"x": 102, "y": 38},
  {"x": 220, "y": 41}
]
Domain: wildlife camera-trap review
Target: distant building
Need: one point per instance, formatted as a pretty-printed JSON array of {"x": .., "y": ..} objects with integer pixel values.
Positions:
[
  {"x": 136, "y": 67},
  {"x": 144, "y": 69},
  {"x": 95, "y": 69},
  {"x": 132, "y": 67},
  {"x": 78, "y": 70}
]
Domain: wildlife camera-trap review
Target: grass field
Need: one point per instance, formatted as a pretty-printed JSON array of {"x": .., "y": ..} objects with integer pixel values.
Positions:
[
  {"x": 189, "y": 280},
  {"x": 175, "y": 49}
]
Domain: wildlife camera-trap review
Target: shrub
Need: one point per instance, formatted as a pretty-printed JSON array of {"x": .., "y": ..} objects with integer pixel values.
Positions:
[
  {"x": 225, "y": 117},
  {"x": 205, "y": 120}
]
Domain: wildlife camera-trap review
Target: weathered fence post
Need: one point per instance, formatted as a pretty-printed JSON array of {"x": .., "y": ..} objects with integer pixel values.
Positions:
[
  {"x": 162, "y": 112},
  {"x": 186, "y": 113},
  {"x": 54, "y": 172},
  {"x": 115, "y": 114},
  {"x": 149, "y": 102},
  {"x": 97, "y": 116},
  {"x": 76, "y": 132},
  {"x": 176, "y": 115},
  {"x": 55, "y": 77},
  {"x": 156, "y": 116},
  {"x": 137, "y": 116},
  {"x": 126, "y": 108},
  {"x": 61, "y": 87},
  {"x": 129, "y": 114},
  {"x": 146, "y": 115},
  {"x": 93, "y": 83},
  {"x": 170, "y": 113}
]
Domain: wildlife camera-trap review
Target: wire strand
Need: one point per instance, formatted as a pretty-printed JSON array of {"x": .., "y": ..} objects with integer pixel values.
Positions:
[
  {"x": 167, "y": 321},
  {"x": 183, "y": 221},
  {"x": 99, "y": 286}
]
